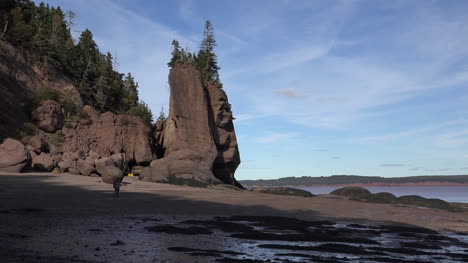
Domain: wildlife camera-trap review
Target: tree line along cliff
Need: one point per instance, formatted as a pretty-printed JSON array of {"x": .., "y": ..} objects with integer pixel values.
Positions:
[{"x": 42, "y": 34}]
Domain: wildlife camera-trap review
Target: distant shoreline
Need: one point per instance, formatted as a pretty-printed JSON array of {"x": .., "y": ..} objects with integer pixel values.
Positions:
[
  {"x": 361, "y": 181},
  {"x": 383, "y": 184}
]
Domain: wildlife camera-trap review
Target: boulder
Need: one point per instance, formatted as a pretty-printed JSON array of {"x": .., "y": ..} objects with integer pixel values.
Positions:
[
  {"x": 43, "y": 162},
  {"x": 48, "y": 116},
  {"x": 65, "y": 164},
  {"x": 110, "y": 168},
  {"x": 73, "y": 171},
  {"x": 13, "y": 156},
  {"x": 38, "y": 144},
  {"x": 86, "y": 166}
]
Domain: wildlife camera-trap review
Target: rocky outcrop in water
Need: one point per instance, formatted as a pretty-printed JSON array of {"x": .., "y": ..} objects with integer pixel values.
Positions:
[{"x": 198, "y": 138}]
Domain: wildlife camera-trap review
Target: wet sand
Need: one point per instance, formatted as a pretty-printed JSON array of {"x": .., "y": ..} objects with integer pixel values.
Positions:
[{"x": 70, "y": 218}]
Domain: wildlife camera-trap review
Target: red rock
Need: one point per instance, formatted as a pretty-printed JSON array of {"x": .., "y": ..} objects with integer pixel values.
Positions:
[
  {"x": 13, "y": 156},
  {"x": 48, "y": 116},
  {"x": 198, "y": 138}
]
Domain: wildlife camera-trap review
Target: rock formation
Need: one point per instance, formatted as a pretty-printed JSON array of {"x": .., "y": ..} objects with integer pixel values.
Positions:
[
  {"x": 198, "y": 138},
  {"x": 196, "y": 142},
  {"x": 224, "y": 136},
  {"x": 107, "y": 134},
  {"x": 13, "y": 156},
  {"x": 20, "y": 77},
  {"x": 48, "y": 116}
]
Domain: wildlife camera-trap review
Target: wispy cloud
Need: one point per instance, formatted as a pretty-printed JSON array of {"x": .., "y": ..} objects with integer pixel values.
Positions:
[
  {"x": 246, "y": 117},
  {"x": 276, "y": 137},
  {"x": 186, "y": 10},
  {"x": 320, "y": 150},
  {"x": 392, "y": 165},
  {"x": 416, "y": 132},
  {"x": 291, "y": 93},
  {"x": 453, "y": 138}
]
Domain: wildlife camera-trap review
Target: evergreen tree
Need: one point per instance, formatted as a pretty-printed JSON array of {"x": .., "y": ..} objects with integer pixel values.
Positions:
[
  {"x": 131, "y": 91},
  {"x": 44, "y": 33},
  {"x": 176, "y": 54},
  {"x": 162, "y": 115},
  {"x": 206, "y": 61}
]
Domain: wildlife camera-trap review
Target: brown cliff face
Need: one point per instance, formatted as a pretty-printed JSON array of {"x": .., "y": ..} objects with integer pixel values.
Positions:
[
  {"x": 198, "y": 138},
  {"x": 108, "y": 134},
  {"x": 224, "y": 135},
  {"x": 20, "y": 77}
]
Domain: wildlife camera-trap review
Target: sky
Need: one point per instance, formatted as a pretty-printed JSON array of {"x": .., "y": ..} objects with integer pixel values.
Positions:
[{"x": 373, "y": 88}]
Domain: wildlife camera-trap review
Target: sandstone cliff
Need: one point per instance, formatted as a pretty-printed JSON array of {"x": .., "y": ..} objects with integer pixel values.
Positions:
[
  {"x": 196, "y": 142},
  {"x": 20, "y": 77},
  {"x": 198, "y": 138}
]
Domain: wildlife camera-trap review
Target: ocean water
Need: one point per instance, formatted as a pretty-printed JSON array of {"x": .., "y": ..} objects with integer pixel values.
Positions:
[{"x": 447, "y": 193}]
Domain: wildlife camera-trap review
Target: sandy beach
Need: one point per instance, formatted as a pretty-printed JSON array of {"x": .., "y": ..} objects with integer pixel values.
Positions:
[{"x": 65, "y": 206}]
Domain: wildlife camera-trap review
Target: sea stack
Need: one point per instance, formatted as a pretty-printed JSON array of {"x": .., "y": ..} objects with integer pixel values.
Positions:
[{"x": 197, "y": 139}]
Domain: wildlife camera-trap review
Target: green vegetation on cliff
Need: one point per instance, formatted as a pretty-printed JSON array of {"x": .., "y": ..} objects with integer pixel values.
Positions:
[
  {"x": 205, "y": 61},
  {"x": 43, "y": 33}
]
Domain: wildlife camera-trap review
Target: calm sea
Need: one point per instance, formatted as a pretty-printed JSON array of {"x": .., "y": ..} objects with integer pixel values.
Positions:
[{"x": 447, "y": 193}]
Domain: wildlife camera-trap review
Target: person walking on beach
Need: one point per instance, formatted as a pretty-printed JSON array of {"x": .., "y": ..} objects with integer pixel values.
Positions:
[{"x": 117, "y": 183}]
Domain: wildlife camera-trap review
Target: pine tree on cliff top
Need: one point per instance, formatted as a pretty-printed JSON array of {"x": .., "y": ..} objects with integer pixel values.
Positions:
[{"x": 206, "y": 61}]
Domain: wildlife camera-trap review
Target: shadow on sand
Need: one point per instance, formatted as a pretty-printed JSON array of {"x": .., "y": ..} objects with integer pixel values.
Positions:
[{"x": 48, "y": 222}]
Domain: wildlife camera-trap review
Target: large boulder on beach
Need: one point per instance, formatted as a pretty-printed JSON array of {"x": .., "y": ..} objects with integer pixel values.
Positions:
[
  {"x": 13, "y": 156},
  {"x": 85, "y": 166},
  {"x": 48, "y": 116},
  {"x": 197, "y": 138},
  {"x": 110, "y": 168},
  {"x": 43, "y": 162}
]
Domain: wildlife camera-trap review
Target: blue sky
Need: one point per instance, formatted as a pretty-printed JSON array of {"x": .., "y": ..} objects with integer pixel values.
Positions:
[{"x": 376, "y": 88}]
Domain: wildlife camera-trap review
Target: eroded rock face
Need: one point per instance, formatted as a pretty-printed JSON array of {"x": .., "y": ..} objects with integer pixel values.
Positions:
[
  {"x": 224, "y": 135},
  {"x": 21, "y": 76},
  {"x": 48, "y": 116},
  {"x": 108, "y": 134},
  {"x": 197, "y": 138},
  {"x": 13, "y": 156},
  {"x": 189, "y": 147}
]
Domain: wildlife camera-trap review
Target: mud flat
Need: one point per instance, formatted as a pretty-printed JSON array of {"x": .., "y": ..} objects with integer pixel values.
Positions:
[{"x": 68, "y": 218}]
